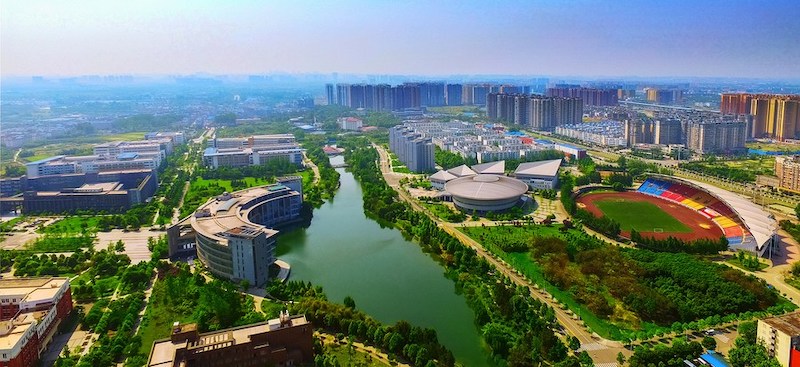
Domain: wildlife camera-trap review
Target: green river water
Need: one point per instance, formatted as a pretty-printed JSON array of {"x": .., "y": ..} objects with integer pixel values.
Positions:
[{"x": 389, "y": 277}]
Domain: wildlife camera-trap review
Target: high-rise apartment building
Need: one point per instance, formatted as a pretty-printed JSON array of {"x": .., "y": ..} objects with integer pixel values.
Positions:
[
  {"x": 735, "y": 103},
  {"x": 664, "y": 96},
  {"x": 590, "y": 96},
  {"x": 413, "y": 149},
  {"x": 773, "y": 116},
  {"x": 668, "y": 131},
  {"x": 538, "y": 112},
  {"x": 787, "y": 168},
  {"x": 329, "y": 93},
  {"x": 454, "y": 94},
  {"x": 638, "y": 131},
  {"x": 720, "y": 136}
]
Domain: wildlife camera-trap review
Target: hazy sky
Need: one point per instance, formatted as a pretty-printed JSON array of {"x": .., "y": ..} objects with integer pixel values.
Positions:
[{"x": 563, "y": 37}]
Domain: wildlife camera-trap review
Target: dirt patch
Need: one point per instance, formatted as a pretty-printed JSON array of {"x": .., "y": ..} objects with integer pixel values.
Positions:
[{"x": 701, "y": 226}]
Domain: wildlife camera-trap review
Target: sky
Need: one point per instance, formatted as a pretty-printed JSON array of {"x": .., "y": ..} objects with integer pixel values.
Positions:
[{"x": 724, "y": 38}]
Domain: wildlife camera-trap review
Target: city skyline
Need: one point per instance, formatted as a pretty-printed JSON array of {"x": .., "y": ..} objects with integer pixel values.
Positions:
[{"x": 738, "y": 39}]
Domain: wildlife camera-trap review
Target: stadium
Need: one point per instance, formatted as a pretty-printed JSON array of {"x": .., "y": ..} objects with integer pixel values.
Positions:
[
  {"x": 485, "y": 193},
  {"x": 665, "y": 206}
]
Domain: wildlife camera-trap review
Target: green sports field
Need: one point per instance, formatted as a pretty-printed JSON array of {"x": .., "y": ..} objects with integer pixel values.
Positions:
[{"x": 640, "y": 215}]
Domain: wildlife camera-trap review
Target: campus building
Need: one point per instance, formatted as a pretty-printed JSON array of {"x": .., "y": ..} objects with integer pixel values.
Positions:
[
  {"x": 285, "y": 341},
  {"x": 541, "y": 175},
  {"x": 233, "y": 233},
  {"x": 252, "y": 151},
  {"x": 781, "y": 336},
  {"x": 30, "y": 311},
  {"x": 113, "y": 192},
  {"x": 787, "y": 169},
  {"x": 350, "y": 123},
  {"x": 61, "y": 164}
]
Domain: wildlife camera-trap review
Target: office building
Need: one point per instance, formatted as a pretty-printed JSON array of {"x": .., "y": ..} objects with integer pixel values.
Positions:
[
  {"x": 30, "y": 311},
  {"x": 413, "y": 149},
  {"x": 285, "y": 341},
  {"x": 350, "y": 123},
  {"x": 233, "y": 233},
  {"x": 781, "y": 336},
  {"x": 787, "y": 169},
  {"x": 715, "y": 136}
]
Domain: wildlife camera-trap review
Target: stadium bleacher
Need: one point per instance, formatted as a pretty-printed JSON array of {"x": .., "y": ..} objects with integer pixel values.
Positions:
[{"x": 700, "y": 201}]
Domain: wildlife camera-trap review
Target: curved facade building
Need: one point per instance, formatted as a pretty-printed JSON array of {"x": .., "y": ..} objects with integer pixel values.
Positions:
[
  {"x": 485, "y": 193},
  {"x": 232, "y": 232}
]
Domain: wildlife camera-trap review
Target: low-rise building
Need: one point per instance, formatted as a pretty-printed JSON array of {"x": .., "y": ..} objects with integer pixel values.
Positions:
[
  {"x": 285, "y": 341},
  {"x": 30, "y": 311},
  {"x": 781, "y": 336},
  {"x": 350, "y": 123},
  {"x": 541, "y": 175},
  {"x": 440, "y": 178}
]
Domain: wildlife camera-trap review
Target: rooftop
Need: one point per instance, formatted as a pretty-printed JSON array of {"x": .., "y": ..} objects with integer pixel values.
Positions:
[
  {"x": 540, "y": 168},
  {"x": 31, "y": 288},
  {"x": 163, "y": 352},
  {"x": 486, "y": 187},
  {"x": 493, "y": 168},
  {"x": 788, "y": 324}
]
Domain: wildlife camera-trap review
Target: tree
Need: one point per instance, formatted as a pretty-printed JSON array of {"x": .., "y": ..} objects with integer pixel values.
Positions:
[
  {"x": 797, "y": 211},
  {"x": 709, "y": 343},
  {"x": 574, "y": 343},
  {"x": 620, "y": 359},
  {"x": 119, "y": 246},
  {"x": 349, "y": 302}
]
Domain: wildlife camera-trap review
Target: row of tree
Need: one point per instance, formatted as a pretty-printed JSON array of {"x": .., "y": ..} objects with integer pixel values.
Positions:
[{"x": 703, "y": 246}]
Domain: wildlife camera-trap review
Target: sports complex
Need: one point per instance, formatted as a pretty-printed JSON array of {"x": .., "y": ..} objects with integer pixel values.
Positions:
[{"x": 666, "y": 206}]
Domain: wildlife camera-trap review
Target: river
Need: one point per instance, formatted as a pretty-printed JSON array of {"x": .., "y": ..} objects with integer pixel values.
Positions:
[{"x": 389, "y": 277}]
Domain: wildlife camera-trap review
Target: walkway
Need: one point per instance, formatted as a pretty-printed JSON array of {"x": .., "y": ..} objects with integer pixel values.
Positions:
[{"x": 308, "y": 162}]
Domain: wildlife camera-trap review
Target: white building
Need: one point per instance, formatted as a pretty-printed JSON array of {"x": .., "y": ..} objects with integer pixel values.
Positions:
[
  {"x": 440, "y": 178},
  {"x": 350, "y": 123},
  {"x": 541, "y": 175}
]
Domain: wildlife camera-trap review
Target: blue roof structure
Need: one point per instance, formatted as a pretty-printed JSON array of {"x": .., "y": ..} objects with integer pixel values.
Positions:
[
  {"x": 714, "y": 359},
  {"x": 210, "y": 150},
  {"x": 127, "y": 156},
  {"x": 515, "y": 133}
]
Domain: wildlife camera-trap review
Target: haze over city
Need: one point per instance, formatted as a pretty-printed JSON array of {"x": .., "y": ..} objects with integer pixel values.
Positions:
[{"x": 739, "y": 39}]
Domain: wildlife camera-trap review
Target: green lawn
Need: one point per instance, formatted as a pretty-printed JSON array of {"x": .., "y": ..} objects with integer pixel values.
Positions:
[
  {"x": 640, "y": 215},
  {"x": 72, "y": 225},
  {"x": 351, "y": 357}
]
